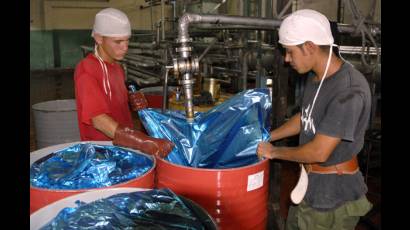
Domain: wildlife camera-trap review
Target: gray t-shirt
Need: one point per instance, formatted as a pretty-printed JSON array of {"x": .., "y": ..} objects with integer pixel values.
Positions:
[{"x": 342, "y": 109}]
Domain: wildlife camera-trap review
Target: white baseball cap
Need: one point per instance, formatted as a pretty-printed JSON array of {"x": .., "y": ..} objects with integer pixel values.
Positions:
[
  {"x": 305, "y": 25},
  {"x": 111, "y": 22}
]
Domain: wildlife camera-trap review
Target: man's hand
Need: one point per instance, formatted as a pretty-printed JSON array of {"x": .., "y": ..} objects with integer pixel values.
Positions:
[
  {"x": 135, "y": 139},
  {"x": 265, "y": 149},
  {"x": 137, "y": 101}
]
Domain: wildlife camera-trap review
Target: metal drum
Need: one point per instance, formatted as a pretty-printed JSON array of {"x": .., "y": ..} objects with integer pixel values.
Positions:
[
  {"x": 40, "y": 197},
  {"x": 46, "y": 214},
  {"x": 236, "y": 198},
  {"x": 55, "y": 122}
]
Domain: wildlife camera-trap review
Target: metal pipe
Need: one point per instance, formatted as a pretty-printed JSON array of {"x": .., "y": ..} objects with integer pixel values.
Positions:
[
  {"x": 232, "y": 27},
  {"x": 233, "y": 71},
  {"x": 143, "y": 75},
  {"x": 165, "y": 92},
  {"x": 137, "y": 63},
  {"x": 207, "y": 49},
  {"x": 152, "y": 23},
  {"x": 142, "y": 72},
  {"x": 162, "y": 19},
  {"x": 344, "y": 28},
  {"x": 245, "y": 70},
  {"x": 188, "y": 19},
  {"x": 174, "y": 14},
  {"x": 151, "y": 52},
  {"x": 262, "y": 14},
  {"x": 285, "y": 9},
  {"x": 141, "y": 81},
  {"x": 147, "y": 45},
  {"x": 358, "y": 50},
  {"x": 170, "y": 52},
  {"x": 144, "y": 58},
  {"x": 185, "y": 49},
  {"x": 158, "y": 25},
  {"x": 216, "y": 7},
  {"x": 141, "y": 45}
]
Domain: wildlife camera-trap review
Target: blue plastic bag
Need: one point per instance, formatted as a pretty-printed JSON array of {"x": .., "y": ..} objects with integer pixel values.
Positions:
[
  {"x": 224, "y": 137},
  {"x": 86, "y": 166}
]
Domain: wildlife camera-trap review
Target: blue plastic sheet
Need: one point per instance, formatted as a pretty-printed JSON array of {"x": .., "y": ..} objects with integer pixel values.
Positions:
[
  {"x": 152, "y": 209},
  {"x": 224, "y": 137},
  {"x": 86, "y": 166}
]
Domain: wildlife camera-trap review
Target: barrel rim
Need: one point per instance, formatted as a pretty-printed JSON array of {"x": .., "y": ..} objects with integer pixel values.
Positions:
[
  {"x": 154, "y": 165},
  {"x": 70, "y": 200},
  {"x": 201, "y": 210},
  {"x": 214, "y": 170},
  {"x": 38, "y": 106}
]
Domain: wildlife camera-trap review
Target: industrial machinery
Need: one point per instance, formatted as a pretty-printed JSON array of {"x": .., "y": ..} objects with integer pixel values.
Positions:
[{"x": 240, "y": 51}]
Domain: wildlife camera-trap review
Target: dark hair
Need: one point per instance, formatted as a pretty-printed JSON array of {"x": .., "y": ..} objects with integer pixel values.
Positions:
[
  {"x": 323, "y": 48},
  {"x": 335, "y": 49}
]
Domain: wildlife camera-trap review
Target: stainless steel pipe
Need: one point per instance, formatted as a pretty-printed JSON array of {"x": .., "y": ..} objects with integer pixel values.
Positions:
[{"x": 185, "y": 49}]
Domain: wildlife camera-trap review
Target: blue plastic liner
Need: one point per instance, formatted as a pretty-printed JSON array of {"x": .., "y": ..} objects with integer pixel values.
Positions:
[
  {"x": 152, "y": 209},
  {"x": 86, "y": 166},
  {"x": 224, "y": 137}
]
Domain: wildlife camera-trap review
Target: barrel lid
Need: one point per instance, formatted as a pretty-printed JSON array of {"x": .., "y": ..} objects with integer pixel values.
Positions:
[{"x": 56, "y": 106}]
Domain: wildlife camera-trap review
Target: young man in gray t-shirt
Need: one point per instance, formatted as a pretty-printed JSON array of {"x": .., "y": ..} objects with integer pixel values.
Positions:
[{"x": 331, "y": 126}]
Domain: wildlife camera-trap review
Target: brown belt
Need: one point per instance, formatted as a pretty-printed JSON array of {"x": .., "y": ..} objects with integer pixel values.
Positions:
[{"x": 348, "y": 167}]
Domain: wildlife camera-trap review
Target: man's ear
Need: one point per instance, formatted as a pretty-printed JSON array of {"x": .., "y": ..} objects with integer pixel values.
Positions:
[
  {"x": 98, "y": 39},
  {"x": 311, "y": 47}
]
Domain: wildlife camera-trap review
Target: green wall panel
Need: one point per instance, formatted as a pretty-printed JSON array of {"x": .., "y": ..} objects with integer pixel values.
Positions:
[
  {"x": 59, "y": 48},
  {"x": 69, "y": 42},
  {"x": 41, "y": 50}
]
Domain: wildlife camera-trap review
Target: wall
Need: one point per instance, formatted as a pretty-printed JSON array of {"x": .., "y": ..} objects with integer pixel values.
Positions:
[
  {"x": 327, "y": 7},
  {"x": 79, "y": 15},
  {"x": 59, "y": 28}
]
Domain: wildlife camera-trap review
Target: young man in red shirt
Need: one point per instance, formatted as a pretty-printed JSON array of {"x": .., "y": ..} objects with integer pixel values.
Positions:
[{"x": 101, "y": 94}]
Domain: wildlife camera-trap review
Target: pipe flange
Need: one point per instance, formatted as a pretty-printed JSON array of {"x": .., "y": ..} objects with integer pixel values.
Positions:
[
  {"x": 187, "y": 81},
  {"x": 195, "y": 64},
  {"x": 175, "y": 66},
  {"x": 185, "y": 65},
  {"x": 183, "y": 40},
  {"x": 183, "y": 49}
]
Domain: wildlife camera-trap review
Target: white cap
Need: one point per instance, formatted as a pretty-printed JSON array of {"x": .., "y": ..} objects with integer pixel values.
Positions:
[
  {"x": 305, "y": 25},
  {"x": 111, "y": 22}
]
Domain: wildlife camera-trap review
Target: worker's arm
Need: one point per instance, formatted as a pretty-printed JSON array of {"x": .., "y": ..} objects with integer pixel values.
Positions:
[
  {"x": 289, "y": 128},
  {"x": 129, "y": 137},
  {"x": 315, "y": 151},
  {"x": 105, "y": 124}
]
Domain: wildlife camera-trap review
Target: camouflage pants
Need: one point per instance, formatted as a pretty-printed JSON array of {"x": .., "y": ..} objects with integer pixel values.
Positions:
[{"x": 344, "y": 217}]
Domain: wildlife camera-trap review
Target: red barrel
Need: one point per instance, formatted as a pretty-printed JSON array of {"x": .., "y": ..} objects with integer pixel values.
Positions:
[
  {"x": 41, "y": 197},
  {"x": 236, "y": 198},
  {"x": 154, "y": 95}
]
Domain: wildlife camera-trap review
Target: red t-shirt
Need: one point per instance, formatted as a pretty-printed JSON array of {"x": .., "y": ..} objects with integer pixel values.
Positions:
[{"x": 92, "y": 100}]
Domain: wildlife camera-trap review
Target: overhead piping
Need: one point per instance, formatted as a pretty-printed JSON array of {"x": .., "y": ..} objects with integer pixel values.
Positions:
[{"x": 187, "y": 65}]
